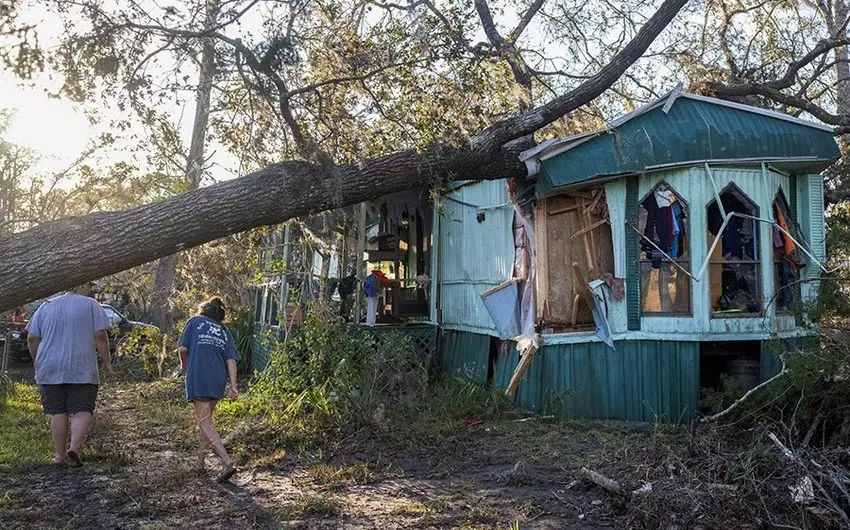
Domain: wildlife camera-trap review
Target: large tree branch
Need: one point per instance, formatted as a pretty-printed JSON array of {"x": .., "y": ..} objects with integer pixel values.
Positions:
[
  {"x": 525, "y": 20},
  {"x": 519, "y": 126},
  {"x": 60, "y": 254},
  {"x": 842, "y": 122}
]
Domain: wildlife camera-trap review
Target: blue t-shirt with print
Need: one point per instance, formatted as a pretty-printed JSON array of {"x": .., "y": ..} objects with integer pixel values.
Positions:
[{"x": 210, "y": 345}]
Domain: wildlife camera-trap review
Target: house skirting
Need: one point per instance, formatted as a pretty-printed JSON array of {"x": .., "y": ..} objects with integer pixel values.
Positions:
[{"x": 641, "y": 380}]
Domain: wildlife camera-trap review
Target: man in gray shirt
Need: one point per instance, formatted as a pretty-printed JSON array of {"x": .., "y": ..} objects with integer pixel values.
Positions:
[{"x": 66, "y": 334}]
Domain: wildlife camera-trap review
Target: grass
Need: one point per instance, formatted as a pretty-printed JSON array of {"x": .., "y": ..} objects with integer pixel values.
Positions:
[
  {"x": 415, "y": 509},
  {"x": 24, "y": 429},
  {"x": 162, "y": 406},
  {"x": 359, "y": 473}
]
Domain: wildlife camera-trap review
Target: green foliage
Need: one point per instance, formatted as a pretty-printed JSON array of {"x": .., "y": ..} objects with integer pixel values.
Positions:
[
  {"x": 144, "y": 349},
  {"x": 241, "y": 326},
  {"x": 7, "y": 387},
  {"x": 328, "y": 377},
  {"x": 24, "y": 435},
  {"x": 713, "y": 400}
]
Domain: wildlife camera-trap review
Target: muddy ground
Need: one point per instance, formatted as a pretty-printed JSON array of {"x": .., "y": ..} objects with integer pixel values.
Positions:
[{"x": 508, "y": 474}]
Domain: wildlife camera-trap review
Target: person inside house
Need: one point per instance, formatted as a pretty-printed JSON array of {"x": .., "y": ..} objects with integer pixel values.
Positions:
[
  {"x": 208, "y": 359},
  {"x": 66, "y": 334}
]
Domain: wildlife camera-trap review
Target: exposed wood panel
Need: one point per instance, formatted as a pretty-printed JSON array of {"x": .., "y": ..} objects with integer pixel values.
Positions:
[{"x": 571, "y": 227}]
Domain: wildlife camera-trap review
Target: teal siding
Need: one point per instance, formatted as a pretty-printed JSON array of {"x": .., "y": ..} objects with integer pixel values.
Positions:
[
  {"x": 771, "y": 364},
  {"x": 632, "y": 264},
  {"x": 464, "y": 354},
  {"x": 505, "y": 366},
  {"x": 693, "y": 130},
  {"x": 475, "y": 249},
  {"x": 641, "y": 381}
]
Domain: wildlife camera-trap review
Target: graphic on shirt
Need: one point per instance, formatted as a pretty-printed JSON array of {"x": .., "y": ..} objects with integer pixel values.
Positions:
[{"x": 211, "y": 334}]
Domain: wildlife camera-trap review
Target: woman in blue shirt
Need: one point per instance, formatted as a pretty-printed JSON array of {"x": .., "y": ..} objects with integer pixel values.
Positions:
[{"x": 208, "y": 360}]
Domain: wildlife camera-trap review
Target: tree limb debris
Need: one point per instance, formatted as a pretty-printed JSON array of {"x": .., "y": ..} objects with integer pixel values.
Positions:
[
  {"x": 737, "y": 403},
  {"x": 609, "y": 485}
]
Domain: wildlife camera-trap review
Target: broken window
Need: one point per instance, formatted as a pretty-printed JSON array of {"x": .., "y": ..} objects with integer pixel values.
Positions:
[
  {"x": 734, "y": 271},
  {"x": 787, "y": 258},
  {"x": 665, "y": 255},
  {"x": 572, "y": 228}
]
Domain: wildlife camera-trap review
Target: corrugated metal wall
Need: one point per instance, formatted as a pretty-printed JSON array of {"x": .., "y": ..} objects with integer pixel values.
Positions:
[
  {"x": 464, "y": 354},
  {"x": 810, "y": 211},
  {"x": 642, "y": 380},
  {"x": 473, "y": 255}
]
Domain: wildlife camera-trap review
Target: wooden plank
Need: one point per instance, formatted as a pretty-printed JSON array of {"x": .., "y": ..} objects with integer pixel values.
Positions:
[
  {"x": 583, "y": 289},
  {"x": 590, "y": 228},
  {"x": 521, "y": 369},
  {"x": 566, "y": 209},
  {"x": 574, "y": 316},
  {"x": 541, "y": 233}
]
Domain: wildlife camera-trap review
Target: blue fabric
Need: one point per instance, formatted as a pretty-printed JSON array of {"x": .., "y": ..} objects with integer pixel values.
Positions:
[
  {"x": 372, "y": 286},
  {"x": 67, "y": 352},
  {"x": 210, "y": 345}
]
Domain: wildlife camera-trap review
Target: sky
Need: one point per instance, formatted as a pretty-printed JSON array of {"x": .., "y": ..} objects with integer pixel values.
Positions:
[{"x": 59, "y": 131}]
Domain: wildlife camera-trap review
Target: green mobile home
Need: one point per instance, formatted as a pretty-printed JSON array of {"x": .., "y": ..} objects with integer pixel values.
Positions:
[
  {"x": 681, "y": 242},
  {"x": 631, "y": 267}
]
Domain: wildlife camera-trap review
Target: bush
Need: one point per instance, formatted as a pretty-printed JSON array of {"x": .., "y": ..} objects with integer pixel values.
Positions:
[
  {"x": 329, "y": 376},
  {"x": 145, "y": 350}
]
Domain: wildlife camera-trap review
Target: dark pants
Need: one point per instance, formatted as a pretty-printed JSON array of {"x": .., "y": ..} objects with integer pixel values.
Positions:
[{"x": 69, "y": 398}]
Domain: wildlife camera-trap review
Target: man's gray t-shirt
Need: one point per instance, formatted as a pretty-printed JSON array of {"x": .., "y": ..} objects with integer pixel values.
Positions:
[{"x": 67, "y": 352}]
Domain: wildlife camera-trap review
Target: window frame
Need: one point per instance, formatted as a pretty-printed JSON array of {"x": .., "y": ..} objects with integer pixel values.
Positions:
[
  {"x": 777, "y": 259},
  {"x": 641, "y": 259},
  {"x": 757, "y": 264}
]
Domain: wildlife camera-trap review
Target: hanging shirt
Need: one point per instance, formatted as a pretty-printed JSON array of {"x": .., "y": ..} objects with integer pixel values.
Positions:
[{"x": 210, "y": 346}]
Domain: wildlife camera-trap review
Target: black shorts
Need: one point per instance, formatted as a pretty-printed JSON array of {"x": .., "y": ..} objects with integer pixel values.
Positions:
[{"x": 61, "y": 399}]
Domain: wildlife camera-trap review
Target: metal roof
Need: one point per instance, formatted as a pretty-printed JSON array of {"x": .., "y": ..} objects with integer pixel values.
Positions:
[{"x": 677, "y": 129}]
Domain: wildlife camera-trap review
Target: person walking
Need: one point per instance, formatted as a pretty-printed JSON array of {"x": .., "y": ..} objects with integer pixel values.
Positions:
[
  {"x": 208, "y": 359},
  {"x": 66, "y": 335}
]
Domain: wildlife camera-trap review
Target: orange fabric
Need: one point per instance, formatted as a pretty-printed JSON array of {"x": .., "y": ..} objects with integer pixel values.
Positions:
[{"x": 789, "y": 246}]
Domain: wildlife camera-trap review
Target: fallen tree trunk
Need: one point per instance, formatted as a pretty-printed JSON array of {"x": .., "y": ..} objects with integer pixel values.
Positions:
[{"x": 64, "y": 253}]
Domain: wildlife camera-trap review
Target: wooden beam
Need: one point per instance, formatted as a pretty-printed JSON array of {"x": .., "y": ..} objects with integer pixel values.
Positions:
[
  {"x": 541, "y": 234},
  {"x": 590, "y": 228},
  {"x": 574, "y": 316},
  {"x": 521, "y": 369},
  {"x": 361, "y": 266},
  {"x": 582, "y": 287}
]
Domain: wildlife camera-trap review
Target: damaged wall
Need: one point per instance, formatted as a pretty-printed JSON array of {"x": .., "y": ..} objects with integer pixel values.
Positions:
[{"x": 475, "y": 252}]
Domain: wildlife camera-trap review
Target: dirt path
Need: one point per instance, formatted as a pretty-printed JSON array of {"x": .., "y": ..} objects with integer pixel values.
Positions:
[{"x": 138, "y": 475}]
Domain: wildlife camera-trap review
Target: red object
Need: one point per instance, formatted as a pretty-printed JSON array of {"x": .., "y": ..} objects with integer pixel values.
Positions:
[
  {"x": 16, "y": 318},
  {"x": 381, "y": 277}
]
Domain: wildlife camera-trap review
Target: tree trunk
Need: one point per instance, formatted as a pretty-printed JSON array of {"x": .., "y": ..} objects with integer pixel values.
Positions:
[
  {"x": 167, "y": 268},
  {"x": 60, "y": 254}
]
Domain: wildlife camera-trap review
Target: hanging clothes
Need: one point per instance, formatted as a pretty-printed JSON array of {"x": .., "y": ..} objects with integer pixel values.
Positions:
[{"x": 790, "y": 253}]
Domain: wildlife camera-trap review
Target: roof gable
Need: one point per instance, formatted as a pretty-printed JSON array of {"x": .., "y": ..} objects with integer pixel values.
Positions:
[{"x": 686, "y": 128}]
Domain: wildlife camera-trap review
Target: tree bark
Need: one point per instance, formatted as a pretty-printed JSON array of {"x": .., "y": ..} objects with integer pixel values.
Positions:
[
  {"x": 60, "y": 254},
  {"x": 166, "y": 270}
]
